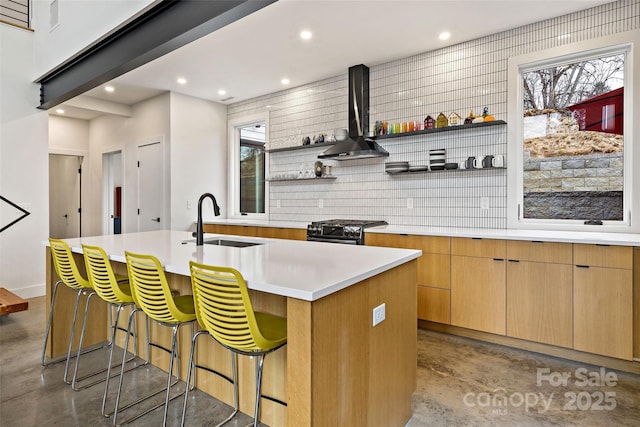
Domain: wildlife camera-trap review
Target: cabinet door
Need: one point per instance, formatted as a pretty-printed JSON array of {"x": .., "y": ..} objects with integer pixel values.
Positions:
[
  {"x": 603, "y": 311},
  {"x": 434, "y": 304},
  {"x": 478, "y": 293},
  {"x": 539, "y": 302}
]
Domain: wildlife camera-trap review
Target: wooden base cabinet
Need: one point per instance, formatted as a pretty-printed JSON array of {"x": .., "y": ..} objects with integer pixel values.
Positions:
[
  {"x": 539, "y": 302},
  {"x": 603, "y": 300},
  {"x": 539, "y": 292},
  {"x": 478, "y": 294}
]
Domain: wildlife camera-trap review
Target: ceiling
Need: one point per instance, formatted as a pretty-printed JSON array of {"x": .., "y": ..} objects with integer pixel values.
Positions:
[{"x": 250, "y": 57}]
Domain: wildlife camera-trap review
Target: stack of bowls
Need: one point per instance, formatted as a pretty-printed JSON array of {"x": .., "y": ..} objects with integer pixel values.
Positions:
[
  {"x": 396, "y": 167},
  {"x": 437, "y": 159}
]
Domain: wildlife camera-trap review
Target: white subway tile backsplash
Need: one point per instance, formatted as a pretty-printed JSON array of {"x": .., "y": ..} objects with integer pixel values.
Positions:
[{"x": 463, "y": 77}]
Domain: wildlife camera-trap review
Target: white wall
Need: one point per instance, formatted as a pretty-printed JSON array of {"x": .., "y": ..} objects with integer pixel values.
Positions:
[
  {"x": 23, "y": 167},
  {"x": 81, "y": 22},
  {"x": 198, "y": 158},
  {"x": 150, "y": 121}
]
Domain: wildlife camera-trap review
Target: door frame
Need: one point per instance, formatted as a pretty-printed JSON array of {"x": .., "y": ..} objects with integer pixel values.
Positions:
[{"x": 107, "y": 190}]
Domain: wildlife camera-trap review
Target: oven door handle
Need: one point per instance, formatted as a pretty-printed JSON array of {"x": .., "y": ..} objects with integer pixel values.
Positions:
[{"x": 320, "y": 239}]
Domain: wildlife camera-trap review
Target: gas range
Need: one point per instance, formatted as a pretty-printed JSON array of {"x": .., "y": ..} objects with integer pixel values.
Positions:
[{"x": 347, "y": 231}]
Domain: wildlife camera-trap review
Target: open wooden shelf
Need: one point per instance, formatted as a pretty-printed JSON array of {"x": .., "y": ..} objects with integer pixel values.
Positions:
[{"x": 445, "y": 129}]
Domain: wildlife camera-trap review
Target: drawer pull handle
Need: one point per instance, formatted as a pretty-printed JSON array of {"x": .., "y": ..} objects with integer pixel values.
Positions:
[
  {"x": 498, "y": 259},
  {"x": 582, "y": 266},
  {"x": 476, "y": 238},
  {"x": 514, "y": 260},
  {"x": 602, "y": 244},
  {"x": 537, "y": 241}
]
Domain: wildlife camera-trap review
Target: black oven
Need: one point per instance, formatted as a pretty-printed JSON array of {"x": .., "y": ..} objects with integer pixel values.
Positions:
[{"x": 346, "y": 231}]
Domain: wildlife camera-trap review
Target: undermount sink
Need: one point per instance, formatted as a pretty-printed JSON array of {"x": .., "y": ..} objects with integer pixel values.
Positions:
[{"x": 232, "y": 243}]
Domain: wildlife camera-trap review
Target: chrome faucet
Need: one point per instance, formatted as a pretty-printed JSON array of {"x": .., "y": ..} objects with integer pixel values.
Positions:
[{"x": 216, "y": 210}]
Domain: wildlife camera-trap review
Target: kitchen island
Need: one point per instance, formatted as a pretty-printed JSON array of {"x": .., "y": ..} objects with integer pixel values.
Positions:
[{"x": 336, "y": 369}]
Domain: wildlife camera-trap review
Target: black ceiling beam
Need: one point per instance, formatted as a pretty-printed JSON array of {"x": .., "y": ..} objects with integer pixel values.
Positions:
[{"x": 158, "y": 30}]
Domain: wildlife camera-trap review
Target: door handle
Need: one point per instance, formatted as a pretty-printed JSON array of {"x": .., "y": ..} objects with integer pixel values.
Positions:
[
  {"x": 65, "y": 216},
  {"x": 155, "y": 219}
]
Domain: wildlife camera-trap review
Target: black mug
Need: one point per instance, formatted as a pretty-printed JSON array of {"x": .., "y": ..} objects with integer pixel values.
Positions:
[
  {"x": 470, "y": 161},
  {"x": 487, "y": 161}
]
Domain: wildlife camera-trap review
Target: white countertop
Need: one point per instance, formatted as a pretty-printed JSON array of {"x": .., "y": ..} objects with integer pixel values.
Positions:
[
  {"x": 297, "y": 269},
  {"x": 623, "y": 239}
]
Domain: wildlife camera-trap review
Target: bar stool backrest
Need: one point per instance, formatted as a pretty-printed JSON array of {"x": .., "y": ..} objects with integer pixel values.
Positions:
[
  {"x": 223, "y": 307},
  {"x": 150, "y": 289},
  {"x": 65, "y": 265},
  {"x": 102, "y": 278}
]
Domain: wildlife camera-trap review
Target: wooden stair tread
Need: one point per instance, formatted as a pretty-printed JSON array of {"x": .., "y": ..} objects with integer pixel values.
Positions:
[{"x": 11, "y": 303}]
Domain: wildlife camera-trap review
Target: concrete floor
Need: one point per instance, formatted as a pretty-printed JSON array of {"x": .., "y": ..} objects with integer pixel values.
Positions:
[{"x": 461, "y": 382}]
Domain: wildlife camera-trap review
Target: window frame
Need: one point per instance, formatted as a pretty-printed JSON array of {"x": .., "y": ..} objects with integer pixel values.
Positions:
[
  {"x": 233, "y": 197},
  {"x": 627, "y": 42}
]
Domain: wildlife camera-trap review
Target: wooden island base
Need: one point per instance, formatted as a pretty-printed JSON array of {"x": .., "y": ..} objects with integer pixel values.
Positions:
[{"x": 336, "y": 369}]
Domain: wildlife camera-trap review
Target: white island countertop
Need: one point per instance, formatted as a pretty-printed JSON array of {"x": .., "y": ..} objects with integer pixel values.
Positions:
[{"x": 290, "y": 268}]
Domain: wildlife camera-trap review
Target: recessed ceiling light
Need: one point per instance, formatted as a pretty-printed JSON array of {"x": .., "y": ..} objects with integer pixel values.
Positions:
[
  {"x": 305, "y": 34},
  {"x": 444, "y": 35},
  {"x": 285, "y": 81},
  {"x": 109, "y": 88},
  {"x": 60, "y": 111},
  {"x": 222, "y": 92},
  {"x": 182, "y": 80}
]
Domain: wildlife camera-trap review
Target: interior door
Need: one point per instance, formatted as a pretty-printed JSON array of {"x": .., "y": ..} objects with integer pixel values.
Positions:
[
  {"x": 150, "y": 187},
  {"x": 64, "y": 196}
]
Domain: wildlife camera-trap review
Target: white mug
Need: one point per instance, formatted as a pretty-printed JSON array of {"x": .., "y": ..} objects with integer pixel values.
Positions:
[
  {"x": 498, "y": 161},
  {"x": 463, "y": 164},
  {"x": 477, "y": 163}
]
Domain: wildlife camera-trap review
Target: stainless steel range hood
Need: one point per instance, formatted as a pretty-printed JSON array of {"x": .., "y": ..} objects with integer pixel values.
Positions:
[{"x": 357, "y": 146}]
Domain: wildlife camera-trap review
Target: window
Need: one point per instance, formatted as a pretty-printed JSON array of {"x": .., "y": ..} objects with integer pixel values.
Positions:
[
  {"x": 248, "y": 167},
  {"x": 570, "y": 161}
]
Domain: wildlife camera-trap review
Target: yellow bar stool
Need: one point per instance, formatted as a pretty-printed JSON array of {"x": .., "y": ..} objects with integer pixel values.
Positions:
[
  {"x": 224, "y": 311},
  {"x": 68, "y": 272},
  {"x": 151, "y": 294},
  {"x": 117, "y": 294}
]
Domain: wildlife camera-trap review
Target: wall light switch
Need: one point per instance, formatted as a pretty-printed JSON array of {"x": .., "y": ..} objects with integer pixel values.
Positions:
[
  {"x": 484, "y": 203},
  {"x": 409, "y": 203},
  {"x": 320, "y": 203},
  {"x": 189, "y": 204},
  {"x": 379, "y": 314}
]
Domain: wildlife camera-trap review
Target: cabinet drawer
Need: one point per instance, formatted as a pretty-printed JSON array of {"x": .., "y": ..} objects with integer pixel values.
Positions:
[
  {"x": 558, "y": 253},
  {"x": 603, "y": 256},
  {"x": 282, "y": 233},
  {"x": 393, "y": 240},
  {"x": 434, "y": 304},
  {"x": 485, "y": 248},
  {"x": 434, "y": 270},
  {"x": 237, "y": 230}
]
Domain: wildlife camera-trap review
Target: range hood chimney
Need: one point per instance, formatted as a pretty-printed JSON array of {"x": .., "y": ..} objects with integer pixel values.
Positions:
[{"x": 357, "y": 146}]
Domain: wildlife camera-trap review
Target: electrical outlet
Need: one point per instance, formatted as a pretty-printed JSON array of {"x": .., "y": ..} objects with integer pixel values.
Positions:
[
  {"x": 409, "y": 203},
  {"x": 189, "y": 204},
  {"x": 379, "y": 314},
  {"x": 484, "y": 203},
  {"x": 320, "y": 203}
]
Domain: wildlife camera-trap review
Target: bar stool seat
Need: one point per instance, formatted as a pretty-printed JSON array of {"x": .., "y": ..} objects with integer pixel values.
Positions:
[{"x": 225, "y": 312}]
